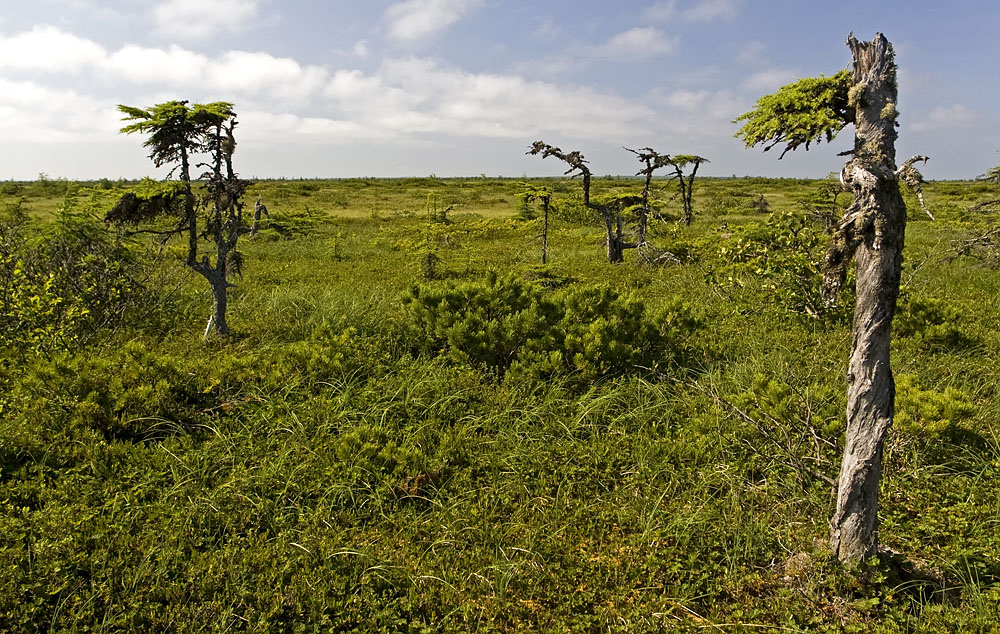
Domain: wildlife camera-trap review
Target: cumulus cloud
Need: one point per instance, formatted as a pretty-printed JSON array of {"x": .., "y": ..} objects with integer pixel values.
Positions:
[
  {"x": 49, "y": 49},
  {"x": 637, "y": 43},
  {"x": 235, "y": 74},
  {"x": 411, "y": 21},
  {"x": 39, "y": 114},
  {"x": 197, "y": 19},
  {"x": 945, "y": 118},
  {"x": 404, "y": 98},
  {"x": 418, "y": 96},
  {"x": 173, "y": 66}
]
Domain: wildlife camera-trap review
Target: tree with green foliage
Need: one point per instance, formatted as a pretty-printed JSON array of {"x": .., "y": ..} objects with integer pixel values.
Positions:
[
  {"x": 686, "y": 187},
  {"x": 543, "y": 196},
  {"x": 653, "y": 161},
  {"x": 872, "y": 233},
  {"x": 609, "y": 208},
  {"x": 176, "y": 134}
]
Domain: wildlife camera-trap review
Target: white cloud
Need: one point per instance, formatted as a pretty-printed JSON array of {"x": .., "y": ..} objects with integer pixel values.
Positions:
[
  {"x": 684, "y": 100},
  {"x": 267, "y": 77},
  {"x": 709, "y": 10},
  {"x": 48, "y": 49},
  {"x": 174, "y": 66},
  {"x": 415, "y": 20},
  {"x": 39, "y": 114},
  {"x": 660, "y": 12},
  {"x": 768, "y": 80},
  {"x": 257, "y": 126},
  {"x": 361, "y": 49},
  {"x": 413, "y": 96},
  {"x": 198, "y": 19},
  {"x": 637, "y": 43},
  {"x": 945, "y": 118}
]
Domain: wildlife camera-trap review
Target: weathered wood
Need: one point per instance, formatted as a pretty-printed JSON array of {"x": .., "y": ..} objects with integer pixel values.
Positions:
[{"x": 873, "y": 231}]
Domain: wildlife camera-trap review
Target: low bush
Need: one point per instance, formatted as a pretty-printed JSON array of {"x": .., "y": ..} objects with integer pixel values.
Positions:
[{"x": 505, "y": 324}]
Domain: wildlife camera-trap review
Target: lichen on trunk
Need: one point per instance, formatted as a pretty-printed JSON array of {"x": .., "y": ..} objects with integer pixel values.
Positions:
[{"x": 873, "y": 232}]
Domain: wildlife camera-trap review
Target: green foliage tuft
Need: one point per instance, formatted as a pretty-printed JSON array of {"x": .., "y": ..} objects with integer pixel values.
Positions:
[
  {"x": 928, "y": 414},
  {"x": 808, "y": 111}
]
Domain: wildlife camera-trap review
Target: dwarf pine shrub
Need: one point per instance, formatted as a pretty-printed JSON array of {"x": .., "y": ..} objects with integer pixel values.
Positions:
[{"x": 504, "y": 324}]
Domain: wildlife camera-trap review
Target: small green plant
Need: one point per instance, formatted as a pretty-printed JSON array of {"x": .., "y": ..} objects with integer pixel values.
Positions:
[
  {"x": 929, "y": 414},
  {"x": 935, "y": 322}
]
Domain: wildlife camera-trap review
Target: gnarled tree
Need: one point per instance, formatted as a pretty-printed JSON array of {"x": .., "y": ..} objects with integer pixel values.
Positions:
[
  {"x": 871, "y": 232},
  {"x": 653, "y": 161},
  {"x": 177, "y": 133},
  {"x": 609, "y": 209}
]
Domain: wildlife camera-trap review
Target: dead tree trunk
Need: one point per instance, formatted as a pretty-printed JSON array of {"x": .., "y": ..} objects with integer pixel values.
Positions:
[
  {"x": 615, "y": 242},
  {"x": 546, "y": 201},
  {"x": 872, "y": 231}
]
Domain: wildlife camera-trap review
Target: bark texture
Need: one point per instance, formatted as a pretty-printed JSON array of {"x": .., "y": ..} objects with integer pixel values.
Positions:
[{"x": 873, "y": 233}]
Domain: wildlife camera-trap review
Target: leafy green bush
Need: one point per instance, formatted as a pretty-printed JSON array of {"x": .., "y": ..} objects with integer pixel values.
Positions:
[
  {"x": 783, "y": 258},
  {"x": 929, "y": 414},
  {"x": 61, "y": 282},
  {"x": 932, "y": 321},
  {"x": 506, "y": 324}
]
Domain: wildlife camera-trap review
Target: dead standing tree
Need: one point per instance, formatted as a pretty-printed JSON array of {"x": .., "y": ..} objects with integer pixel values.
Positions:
[
  {"x": 871, "y": 233},
  {"x": 609, "y": 210}
]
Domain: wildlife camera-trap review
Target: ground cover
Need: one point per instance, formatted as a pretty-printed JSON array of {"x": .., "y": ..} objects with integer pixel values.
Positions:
[{"x": 354, "y": 460}]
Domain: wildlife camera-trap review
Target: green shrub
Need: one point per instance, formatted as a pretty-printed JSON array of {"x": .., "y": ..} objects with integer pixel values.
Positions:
[
  {"x": 782, "y": 259},
  {"x": 506, "y": 324},
  {"x": 932, "y": 321},
  {"x": 62, "y": 282},
  {"x": 929, "y": 414}
]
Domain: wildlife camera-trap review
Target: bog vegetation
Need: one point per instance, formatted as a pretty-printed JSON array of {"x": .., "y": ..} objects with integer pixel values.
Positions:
[{"x": 416, "y": 426}]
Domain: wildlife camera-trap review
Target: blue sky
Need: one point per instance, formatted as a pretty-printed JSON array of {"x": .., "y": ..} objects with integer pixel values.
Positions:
[{"x": 462, "y": 87}]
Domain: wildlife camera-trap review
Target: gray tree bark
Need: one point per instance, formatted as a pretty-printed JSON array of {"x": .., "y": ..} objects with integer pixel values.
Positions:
[{"x": 872, "y": 231}]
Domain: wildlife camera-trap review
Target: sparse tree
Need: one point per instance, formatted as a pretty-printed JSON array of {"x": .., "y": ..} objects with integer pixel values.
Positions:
[
  {"x": 610, "y": 209},
  {"x": 686, "y": 187},
  {"x": 177, "y": 133},
  {"x": 652, "y": 161},
  {"x": 543, "y": 196},
  {"x": 871, "y": 232}
]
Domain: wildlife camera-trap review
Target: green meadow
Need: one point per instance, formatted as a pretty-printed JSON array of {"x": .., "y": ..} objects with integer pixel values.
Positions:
[{"x": 418, "y": 427}]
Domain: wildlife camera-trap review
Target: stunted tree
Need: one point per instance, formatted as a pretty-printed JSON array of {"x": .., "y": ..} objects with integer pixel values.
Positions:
[
  {"x": 543, "y": 196},
  {"x": 685, "y": 186},
  {"x": 653, "y": 161},
  {"x": 871, "y": 232},
  {"x": 177, "y": 133},
  {"x": 609, "y": 209}
]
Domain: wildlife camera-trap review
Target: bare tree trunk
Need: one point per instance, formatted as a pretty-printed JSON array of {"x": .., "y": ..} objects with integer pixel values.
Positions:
[
  {"x": 220, "y": 288},
  {"x": 688, "y": 214},
  {"x": 613, "y": 227},
  {"x": 875, "y": 227},
  {"x": 545, "y": 229}
]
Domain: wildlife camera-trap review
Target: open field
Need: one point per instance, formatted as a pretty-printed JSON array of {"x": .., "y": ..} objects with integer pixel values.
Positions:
[{"x": 361, "y": 459}]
